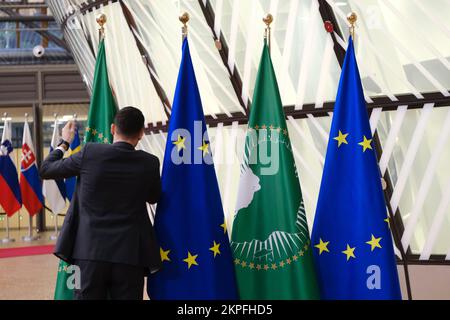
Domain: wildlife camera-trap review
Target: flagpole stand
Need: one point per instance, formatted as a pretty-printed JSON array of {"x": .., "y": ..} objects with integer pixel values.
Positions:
[
  {"x": 30, "y": 237},
  {"x": 7, "y": 239},
  {"x": 54, "y": 236}
]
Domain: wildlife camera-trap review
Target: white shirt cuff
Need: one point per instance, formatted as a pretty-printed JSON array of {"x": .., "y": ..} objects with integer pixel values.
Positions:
[{"x": 61, "y": 148}]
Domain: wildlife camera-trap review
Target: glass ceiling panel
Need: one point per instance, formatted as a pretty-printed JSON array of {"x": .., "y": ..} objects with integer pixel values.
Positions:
[
  {"x": 127, "y": 72},
  {"x": 302, "y": 51},
  {"x": 160, "y": 32},
  {"x": 19, "y": 38},
  {"x": 129, "y": 77},
  {"x": 421, "y": 207},
  {"x": 75, "y": 37},
  {"x": 403, "y": 45}
]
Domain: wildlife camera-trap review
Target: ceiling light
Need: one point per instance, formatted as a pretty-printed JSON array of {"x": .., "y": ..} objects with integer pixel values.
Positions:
[{"x": 67, "y": 117}]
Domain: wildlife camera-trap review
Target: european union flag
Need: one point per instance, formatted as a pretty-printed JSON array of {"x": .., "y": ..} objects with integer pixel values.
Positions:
[
  {"x": 351, "y": 237},
  {"x": 189, "y": 222}
]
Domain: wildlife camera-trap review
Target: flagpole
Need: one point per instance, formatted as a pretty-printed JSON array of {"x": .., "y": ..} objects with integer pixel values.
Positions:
[
  {"x": 29, "y": 237},
  {"x": 55, "y": 214},
  {"x": 21, "y": 206},
  {"x": 268, "y": 19},
  {"x": 7, "y": 239},
  {"x": 184, "y": 19}
]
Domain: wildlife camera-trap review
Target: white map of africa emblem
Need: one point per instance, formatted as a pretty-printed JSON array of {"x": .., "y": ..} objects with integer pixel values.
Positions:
[{"x": 248, "y": 186}]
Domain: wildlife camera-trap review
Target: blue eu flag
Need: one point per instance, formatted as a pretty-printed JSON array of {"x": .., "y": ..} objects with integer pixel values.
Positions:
[
  {"x": 351, "y": 237},
  {"x": 189, "y": 222}
]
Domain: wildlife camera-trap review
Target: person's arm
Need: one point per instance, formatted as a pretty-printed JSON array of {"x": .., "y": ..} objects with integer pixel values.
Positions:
[
  {"x": 155, "y": 187},
  {"x": 54, "y": 166}
]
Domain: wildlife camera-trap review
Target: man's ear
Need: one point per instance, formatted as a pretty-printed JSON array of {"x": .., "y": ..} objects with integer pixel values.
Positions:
[
  {"x": 141, "y": 134},
  {"x": 113, "y": 129}
]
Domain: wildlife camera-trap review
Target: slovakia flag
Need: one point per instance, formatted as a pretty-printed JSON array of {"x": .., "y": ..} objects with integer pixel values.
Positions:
[
  {"x": 30, "y": 184},
  {"x": 10, "y": 198}
]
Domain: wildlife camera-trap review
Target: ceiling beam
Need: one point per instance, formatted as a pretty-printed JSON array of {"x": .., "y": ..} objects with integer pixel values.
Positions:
[{"x": 309, "y": 109}]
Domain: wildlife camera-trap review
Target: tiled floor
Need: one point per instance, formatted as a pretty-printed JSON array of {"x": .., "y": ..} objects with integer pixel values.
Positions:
[{"x": 28, "y": 278}]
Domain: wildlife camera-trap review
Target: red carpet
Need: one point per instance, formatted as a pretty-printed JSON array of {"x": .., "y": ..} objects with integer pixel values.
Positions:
[{"x": 26, "y": 251}]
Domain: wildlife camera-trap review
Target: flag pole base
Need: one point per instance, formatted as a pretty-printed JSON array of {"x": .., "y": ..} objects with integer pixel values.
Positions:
[
  {"x": 8, "y": 240},
  {"x": 54, "y": 237},
  {"x": 30, "y": 238}
]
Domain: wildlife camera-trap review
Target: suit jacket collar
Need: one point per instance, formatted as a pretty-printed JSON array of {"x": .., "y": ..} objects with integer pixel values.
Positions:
[{"x": 124, "y": 145}]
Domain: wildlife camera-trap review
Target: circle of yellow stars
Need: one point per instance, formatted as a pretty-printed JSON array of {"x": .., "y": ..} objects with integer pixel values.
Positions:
[
  {"x": 99, "y": 135},
  {"x": 342, "y": 139},
  {"x": 274, "y": 265},
  {"x": 191, "y": 259}
]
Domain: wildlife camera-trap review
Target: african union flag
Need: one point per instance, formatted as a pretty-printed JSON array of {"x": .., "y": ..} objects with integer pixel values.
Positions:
[
  {"x": 353, "y": 246},
  {"x": 270, "y": 239},
  {"x": 189, "y": 222}
]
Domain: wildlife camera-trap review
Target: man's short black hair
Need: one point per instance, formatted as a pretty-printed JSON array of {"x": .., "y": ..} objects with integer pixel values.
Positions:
[{"x": 129, "y": 122}]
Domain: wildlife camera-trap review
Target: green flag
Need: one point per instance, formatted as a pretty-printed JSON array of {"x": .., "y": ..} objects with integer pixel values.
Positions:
[
  {"x": 270, "y": 238},
  {"x": 103, "y": 106},
  {"x": 101, "y": 115},
  {"x": 64, "y": 282}
]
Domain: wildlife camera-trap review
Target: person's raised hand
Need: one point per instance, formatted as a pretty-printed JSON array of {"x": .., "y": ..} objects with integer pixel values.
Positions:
[{"x": 68, "y": 132}]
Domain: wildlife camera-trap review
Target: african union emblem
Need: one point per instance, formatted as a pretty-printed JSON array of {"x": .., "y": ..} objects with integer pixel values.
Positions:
[
  {"x": 270, "y": 238},
  {"x": 283, "y": 236}
]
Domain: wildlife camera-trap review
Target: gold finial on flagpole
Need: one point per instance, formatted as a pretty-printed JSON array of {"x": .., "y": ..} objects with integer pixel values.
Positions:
[
  {"x": 184, "y": 19},
  {"x": 101, "y": 20},
  {"x": 268, "y": 19},
  {"x": 351, "y": 18}
]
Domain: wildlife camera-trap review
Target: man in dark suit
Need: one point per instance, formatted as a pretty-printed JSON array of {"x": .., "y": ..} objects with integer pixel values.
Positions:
[{"x": 107, "y": 231}]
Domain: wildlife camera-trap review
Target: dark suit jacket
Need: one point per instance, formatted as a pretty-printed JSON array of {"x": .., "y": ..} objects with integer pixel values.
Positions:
[{"x": 108, "y": 220}]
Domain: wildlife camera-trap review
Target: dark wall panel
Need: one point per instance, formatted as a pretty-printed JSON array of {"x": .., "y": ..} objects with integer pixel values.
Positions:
[
  {"x": 67, "y": 85},
  {"x": 18, "y": 87}
]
